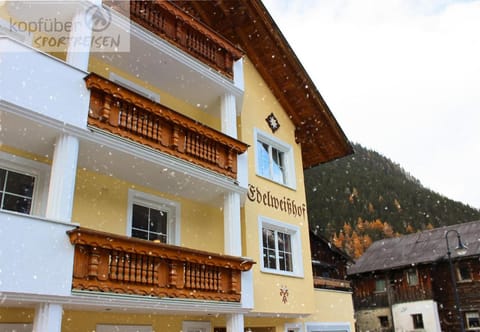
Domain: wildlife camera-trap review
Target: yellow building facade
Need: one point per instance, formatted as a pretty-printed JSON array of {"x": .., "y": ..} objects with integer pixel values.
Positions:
[{"x": 158, "y": 185}]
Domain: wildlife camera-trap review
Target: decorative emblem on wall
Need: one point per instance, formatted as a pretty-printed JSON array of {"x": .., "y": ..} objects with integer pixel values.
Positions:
[
  {"x": 284, "y": 293},
  {"x": 272, "y": 122}
]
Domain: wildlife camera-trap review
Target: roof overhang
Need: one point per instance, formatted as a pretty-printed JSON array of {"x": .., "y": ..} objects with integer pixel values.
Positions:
[{"x": 249, "y": 25}]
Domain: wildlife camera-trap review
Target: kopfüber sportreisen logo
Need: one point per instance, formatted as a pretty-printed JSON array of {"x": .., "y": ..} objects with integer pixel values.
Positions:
[
  {"x": 98, "y": 19},
  {"x": 87, "y": 29}
]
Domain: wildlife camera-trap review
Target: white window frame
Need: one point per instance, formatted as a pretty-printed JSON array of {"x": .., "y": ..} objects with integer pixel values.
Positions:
[
  {"x": 286, "y": 149},
  {"x": 296, "y": 327},
  {"x": 294, "y": 232},
  {"x": 38, "y": 170},
  {"x": 319, "y": 327},
  {"x": 196, "y": 326},
  {"x": 123, "y": 328},
  {"x": 135, "y": 87},
  {"x": 171, "y": 207},
  {"x": 473, "y": 314},
  {"x": 16, "y": 327}
]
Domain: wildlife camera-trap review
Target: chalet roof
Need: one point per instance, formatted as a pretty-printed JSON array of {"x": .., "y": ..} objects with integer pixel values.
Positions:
[
  {"x": 248, "y": 24},
  {"x": 317, "y": 237},
  {"x": 419, "y": 248}
]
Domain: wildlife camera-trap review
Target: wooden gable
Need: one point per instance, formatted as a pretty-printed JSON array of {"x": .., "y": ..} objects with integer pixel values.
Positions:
[{"x": 249, "y": 25}]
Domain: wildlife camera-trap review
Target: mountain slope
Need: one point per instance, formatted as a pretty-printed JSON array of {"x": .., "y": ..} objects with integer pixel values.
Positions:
[{"x": 367, "y": 186}]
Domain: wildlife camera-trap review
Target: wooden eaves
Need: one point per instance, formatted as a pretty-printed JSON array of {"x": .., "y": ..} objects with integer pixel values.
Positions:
[{"x": 248, "y": 24}]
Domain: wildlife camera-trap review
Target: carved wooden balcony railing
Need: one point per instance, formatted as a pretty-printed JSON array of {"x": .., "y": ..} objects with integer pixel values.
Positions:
[
  {"x": 171, "y": 23},
  {"x": 112, "y": 263},
  {"x": 329, "y": 283},
  {"x": 122, "y": 112}
]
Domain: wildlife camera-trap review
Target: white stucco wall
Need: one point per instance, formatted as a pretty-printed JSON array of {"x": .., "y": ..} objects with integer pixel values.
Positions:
[
  {"x": 35, "y": 254},
  {"x": 402, "y": 316},
  {"x": 42, "y": 84}
]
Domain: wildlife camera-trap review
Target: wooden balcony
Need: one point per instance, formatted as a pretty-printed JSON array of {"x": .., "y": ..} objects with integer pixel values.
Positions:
[
  {"x": 373, "y": 300},
  {"x": 329, "y": 283},
  {"x": 125, "y": 113},
  {"x": 169, "y": 22},
  {"x": 119, "y": 264},
  {"x": 411, "y": 294}
]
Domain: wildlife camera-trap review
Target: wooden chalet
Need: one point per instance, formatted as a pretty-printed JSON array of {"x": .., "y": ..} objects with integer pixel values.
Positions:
[
  {"x": 405, "y": 284},
  {"x": 329, "y": 264}
]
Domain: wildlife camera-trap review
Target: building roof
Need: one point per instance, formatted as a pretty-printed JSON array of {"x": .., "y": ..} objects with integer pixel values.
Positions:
[
  {"x": 419, "y": 248},
  {"x": 317, "y": 237},
  {"x": 249, "y": 25}
]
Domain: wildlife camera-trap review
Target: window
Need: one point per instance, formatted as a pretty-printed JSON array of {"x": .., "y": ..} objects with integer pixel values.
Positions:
[
  {"x": 412, "y": 277},
  {"x": 16, "y": 327},
  {"x": 123, "y": 328},
  {"x": 274, "y": 159},
  {"x": 153, "y": 218},
  {"x": 473, "y": 320},
  {"x": 417, "y": 321},
  {"x": 196, "y": 326},
  {"x": 149, "y": 223},
  {"x": 23, "y": 184},
  {"x": 327, "y": 327},
  {"x": 463, "y": 272},
  {"x": 280, "y": 248},
  {"x": 16, "y": 191},
  {"x": 277, "y": 250},
  {"x": 293, "y": 327},
  {"x": 383, "y": 321},
  {"x": 271, "y": 162},
  {"x": 380, "y": 285}
]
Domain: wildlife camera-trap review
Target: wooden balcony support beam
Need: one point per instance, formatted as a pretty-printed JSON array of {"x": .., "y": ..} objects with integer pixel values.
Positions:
[
  {"x": 125, "y": 113},
  {"x": 119, "y": 264}
]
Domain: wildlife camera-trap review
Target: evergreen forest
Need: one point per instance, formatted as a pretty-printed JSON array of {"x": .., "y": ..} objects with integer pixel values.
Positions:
[{"x": 365, "y": 197}]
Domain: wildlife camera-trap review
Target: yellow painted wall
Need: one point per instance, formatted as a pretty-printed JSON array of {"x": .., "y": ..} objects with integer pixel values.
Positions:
[
  {"x": 333, "y": 306},
  {"x": 23, "y": 154},
  {"x": 80, "y": 321},
  {"x": 101, "y": 203},
  {"x": 258, "y": 104},
  {"x": 104, "y": 69},
  {"x": 86, "y": 321},
  {"x": 16, "y": 315}
]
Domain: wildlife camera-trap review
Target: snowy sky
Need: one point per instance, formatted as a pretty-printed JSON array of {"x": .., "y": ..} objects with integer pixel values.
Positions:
[{"x": 402, "y": 77}]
